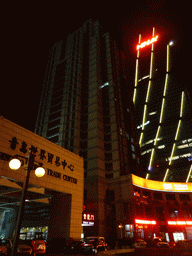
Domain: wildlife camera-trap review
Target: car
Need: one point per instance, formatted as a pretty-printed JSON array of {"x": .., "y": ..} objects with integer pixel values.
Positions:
[
  {"x": 22, "y": 248},
  {"x": 183, "y": 244},
  {"x": 38, "y": 246},
  {"x": 159, "y": 242},
  {"x": 140, "y": 243},
  {"x": 3, "y": 248},
  {"x": 74, "y": 247},
  {"x": 93, "y": 245}
]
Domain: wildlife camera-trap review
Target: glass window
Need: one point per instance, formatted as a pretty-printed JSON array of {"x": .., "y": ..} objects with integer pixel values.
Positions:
[
  {"x": 184, "y": 197},
  {"x": 170, "y": 196},
  {"x": 158, "y": 196}
]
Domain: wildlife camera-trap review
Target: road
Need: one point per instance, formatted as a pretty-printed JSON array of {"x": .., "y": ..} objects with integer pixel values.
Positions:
[{"x": 140, "y": 252}]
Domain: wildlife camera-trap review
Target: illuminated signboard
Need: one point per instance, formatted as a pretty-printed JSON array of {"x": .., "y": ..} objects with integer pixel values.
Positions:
[
  {"x": 88, "y": 219},
  {"x": 180, "y": 222},
  {"x": 161, "y": 186},
  {"x": 150, "y": 222},
  {"x": 148, "y": 42}
]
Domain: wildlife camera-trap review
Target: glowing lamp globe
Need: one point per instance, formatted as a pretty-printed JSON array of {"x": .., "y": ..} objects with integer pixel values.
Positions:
[
  {"x": 40, "y": 172},
  {"x": 15, "y": 164}
]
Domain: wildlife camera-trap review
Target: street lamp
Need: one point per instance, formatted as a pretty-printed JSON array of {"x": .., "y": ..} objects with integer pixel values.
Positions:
[
  {"x": 15, "y": 164},
  {"x": 121, "y": 227}
]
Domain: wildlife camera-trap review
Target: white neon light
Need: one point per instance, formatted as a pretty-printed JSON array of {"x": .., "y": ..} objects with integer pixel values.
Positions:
[
  {"x": 143, "y": 78},
  {"x": 105, "y": 84},
  {"x": 139, "y": 126}
]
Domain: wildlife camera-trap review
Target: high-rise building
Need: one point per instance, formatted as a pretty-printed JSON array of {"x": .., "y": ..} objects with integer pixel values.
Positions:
[
  {"x": 162, "y": 112},
  {"x": 86, "y": 108}
]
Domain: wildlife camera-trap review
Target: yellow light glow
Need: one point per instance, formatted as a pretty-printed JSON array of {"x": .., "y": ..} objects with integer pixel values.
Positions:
[
  {"x": 160, "y": 185},
  {"x": 162, "y": 110},
  {"x": 40, "y": 172},
  {"x": 182, "y": 103},
  {"x": 151, "y": 158},
  {"x": 188, "y": 176},
  {"x": 165, "y": 87},
  {"x": 167, "y": 171},
  {"x": 177, "y": 132},
  {"x": 15, "y": 164},
  {"x": 167, "y": 68}
]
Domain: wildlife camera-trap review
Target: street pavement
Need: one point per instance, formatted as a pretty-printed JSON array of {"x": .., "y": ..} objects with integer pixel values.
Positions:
[{"x": 139, "y": 252}]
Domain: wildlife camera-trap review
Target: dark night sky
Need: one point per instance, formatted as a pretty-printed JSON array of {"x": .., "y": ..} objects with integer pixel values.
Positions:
[{"x": 30, "y": 30}]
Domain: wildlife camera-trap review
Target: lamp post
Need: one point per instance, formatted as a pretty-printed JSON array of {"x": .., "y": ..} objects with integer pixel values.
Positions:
[
  {"x": 121, "y": 228},
  {"x": 14, "y": 164}
]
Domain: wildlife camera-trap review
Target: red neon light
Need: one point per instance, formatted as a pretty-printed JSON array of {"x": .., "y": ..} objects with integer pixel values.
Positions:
[
  {"x": 152, "y": 222},
  {"x": 148, "y": 42},
  {"x": 179, "y": 222}
]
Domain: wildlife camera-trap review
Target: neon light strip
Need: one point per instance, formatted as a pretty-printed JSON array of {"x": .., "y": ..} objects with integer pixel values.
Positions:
[
  {"x": 182, "y": 103},
  {"x": 152, "y": 222},
  {"x": 162, "y": 111},
  {"x": 188, "y": 176},
  {"x": 148, "y": 91},
  {"x": 176, "y": 135},
  {"x": 136, "y": 73}
]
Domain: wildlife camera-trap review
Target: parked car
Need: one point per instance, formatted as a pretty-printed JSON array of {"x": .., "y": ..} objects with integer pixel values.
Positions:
[
  {"x": 22, "y": 248},
  {"x": 183, "y": 244},
  {"x": 74, "y": 247},
  {"x": 159, "y": 242},
  {"x": 93, "y": 245},
  {"x": 140, "y": 243},
  {"x": 38, "y": 246},
  {"x": 3, "y": 248}
]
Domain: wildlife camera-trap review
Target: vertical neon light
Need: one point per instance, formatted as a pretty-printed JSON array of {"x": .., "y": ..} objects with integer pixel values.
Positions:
[
  {"x": 148, "y": 92},
  {"x": 176, "y": 135},
  {"x": 136, "y": 73},
  {"x": 189, "y": 174},
  {"x": 162, "y": 111}
]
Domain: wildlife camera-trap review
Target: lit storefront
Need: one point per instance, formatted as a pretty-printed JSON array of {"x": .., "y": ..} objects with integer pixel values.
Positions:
[
  {"x": 58, "y": 193},
  {"x": 162, "y": 209}
]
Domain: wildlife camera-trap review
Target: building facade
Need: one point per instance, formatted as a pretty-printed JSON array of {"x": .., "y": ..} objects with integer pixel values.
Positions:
[
  {"x": 162, "y": 209},
  {"x": 59, "y": 192},
  {"x": 162, "y": 112},
  {"x": 86, "y": 108}
]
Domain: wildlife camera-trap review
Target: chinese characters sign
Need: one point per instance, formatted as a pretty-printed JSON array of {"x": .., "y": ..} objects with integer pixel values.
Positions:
[
  {"x": 148, "y": 42},
  {"x": 88, "y": 219},
  {"x": 43, "y": 157}
]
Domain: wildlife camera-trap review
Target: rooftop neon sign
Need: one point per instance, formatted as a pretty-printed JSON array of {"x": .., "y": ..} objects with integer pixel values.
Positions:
[{"x": 148, "y": 42}]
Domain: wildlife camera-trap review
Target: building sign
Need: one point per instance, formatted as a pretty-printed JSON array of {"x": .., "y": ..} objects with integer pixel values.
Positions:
[
  {"x": 161, "y": 186},
  {"x": 180, "y": 222},
  {"x": 148, "y": 42},
  {"x": 43, "y": 157},
  {"x": 88, "y": 219},
  {"x": 147, "y": 222}
]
